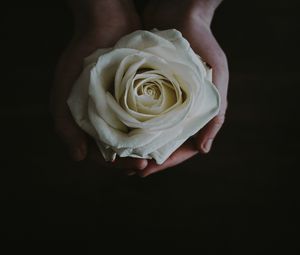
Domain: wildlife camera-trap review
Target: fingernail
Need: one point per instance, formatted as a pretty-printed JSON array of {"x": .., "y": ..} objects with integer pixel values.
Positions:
[
  {"x": 207, "y": 145},
  {"x": 77, "y": 154},
  {"x": 142, "y": 165},
  {"x": 130, "y": 173}
]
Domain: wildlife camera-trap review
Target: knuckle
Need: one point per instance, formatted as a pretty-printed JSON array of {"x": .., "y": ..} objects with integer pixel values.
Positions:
[
  {"x": 174, "y": 159},
  {"x": 174, "y": 155},
  {"x": 219, "y": 120},
  {"x": 141, "y": 164}
]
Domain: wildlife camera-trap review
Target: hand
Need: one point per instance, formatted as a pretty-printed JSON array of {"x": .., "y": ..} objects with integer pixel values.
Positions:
[
  {"x": 192, "y": 18},
  {"x": 98, "y": 24}
]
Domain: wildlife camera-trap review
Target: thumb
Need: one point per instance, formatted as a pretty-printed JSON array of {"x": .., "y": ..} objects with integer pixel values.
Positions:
[{"x": 73, "y": 137}]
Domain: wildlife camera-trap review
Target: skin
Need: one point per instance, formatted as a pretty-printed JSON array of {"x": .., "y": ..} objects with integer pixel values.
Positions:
[
  {"x": 100, "y": 24},
  {"x": 193, "y": 18}
]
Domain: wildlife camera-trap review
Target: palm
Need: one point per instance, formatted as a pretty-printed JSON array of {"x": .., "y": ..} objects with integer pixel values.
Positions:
[{"x": 118, "y": 21}]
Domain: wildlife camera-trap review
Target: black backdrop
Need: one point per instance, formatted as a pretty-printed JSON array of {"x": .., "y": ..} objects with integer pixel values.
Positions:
[{"x": 241, "y": 196}]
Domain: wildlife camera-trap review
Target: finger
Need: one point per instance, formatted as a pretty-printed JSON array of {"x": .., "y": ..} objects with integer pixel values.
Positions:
[
  {"x": 205, "y": 138},
  {"x": 186, "y": 151},
  {"x": 212, "y": 53},
  {"x": 67, "y": 71},
  {"x": 130, "y": 172},
  {"x": 126, "y": 163},
  {"x": 130, "y": 163},
  {"x": 73, "y": 137}
]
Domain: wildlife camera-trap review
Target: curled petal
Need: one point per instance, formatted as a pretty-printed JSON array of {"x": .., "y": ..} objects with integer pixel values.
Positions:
[
  {"x": 145, "y": 96},
  {"x": 101, "y": 80},
  {"x": 141, "y": 40}
]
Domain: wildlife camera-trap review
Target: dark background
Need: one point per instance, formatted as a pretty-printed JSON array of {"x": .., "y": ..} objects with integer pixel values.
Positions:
[{"x": 241, "y": 198}]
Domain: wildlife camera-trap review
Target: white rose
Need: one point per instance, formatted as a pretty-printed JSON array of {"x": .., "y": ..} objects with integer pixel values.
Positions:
[{"x": 145, "y": 96}]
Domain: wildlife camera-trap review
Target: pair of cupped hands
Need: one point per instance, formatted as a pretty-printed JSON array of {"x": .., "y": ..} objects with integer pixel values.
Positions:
[{"x": 100, "y": 24}]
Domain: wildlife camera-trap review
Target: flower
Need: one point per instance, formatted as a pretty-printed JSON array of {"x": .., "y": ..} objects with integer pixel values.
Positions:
[{"x": 145, "y": 96}]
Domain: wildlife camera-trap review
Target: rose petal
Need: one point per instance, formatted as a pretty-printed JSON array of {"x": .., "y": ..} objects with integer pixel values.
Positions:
[
  {"x": 78, "y": 101},
  {"x": 209, "y": 108},
  {"x": 101, "y": 81},
  {"x": 116, "y": 138},
  {"x": 140, "y": 40},
  {"x": 93, "y": 58},
  {"x": 144, "y": 97}
]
